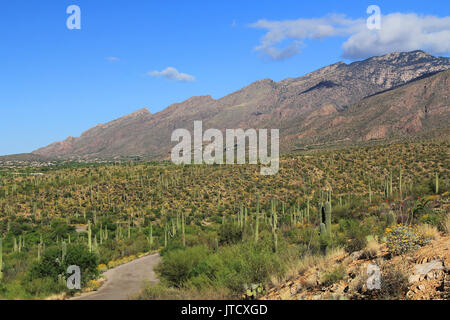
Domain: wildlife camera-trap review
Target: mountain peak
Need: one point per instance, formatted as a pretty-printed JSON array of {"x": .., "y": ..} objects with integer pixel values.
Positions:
[
  {"x": 140, "y": 112},
  {"x": 312, "y": 108},
  {"x": 197, "y": 99},
  {"x": 395, "y": 57}
]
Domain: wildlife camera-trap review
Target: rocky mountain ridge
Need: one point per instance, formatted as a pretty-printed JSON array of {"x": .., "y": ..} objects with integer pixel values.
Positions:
[{"x": 323, "y": 107}]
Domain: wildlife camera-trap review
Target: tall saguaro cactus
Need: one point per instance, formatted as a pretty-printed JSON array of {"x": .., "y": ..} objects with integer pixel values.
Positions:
[
  {"x": 63, "y": 251},
  {"x": 183, "y": 222},
  {"x": 89, "y": 236},
  {"x": 328, "y": 217},
  {"x": 165, "y": 236},
  {"x": 321, "y": 212},
  {"x": 257, "y": 219},
  {"x": 437, "y": 183},
  {"x": 323, "y": 229},
  {"x": 150, "y": 238},
  {"x": 39, "y": 252},
  {"x": 390, "y": 183},
  {"x": 274, "y": 228},
  {"x": 325, "y": 218},
  {"x": 257, "y": 226}
]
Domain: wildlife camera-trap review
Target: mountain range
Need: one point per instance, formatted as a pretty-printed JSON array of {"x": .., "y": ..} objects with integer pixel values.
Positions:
[{"x": 393, "y": 96}]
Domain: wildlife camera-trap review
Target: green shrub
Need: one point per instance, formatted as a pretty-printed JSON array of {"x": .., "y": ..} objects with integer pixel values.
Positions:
[
  {"x": 356, "y": 244},
  {"x": 232, "y": 267},
  {"x": 247, "y": 264},
  {"x": 53, "y": 267},
  {"x": 43, "y": 286},
  {"x": 229, "y": 233},
  {"x": 177, "y": 266},
  {"x": 431, "y": 219}
]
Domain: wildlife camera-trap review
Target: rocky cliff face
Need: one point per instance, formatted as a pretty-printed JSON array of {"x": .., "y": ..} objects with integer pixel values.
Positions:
[{"x": 336, "y": 103}]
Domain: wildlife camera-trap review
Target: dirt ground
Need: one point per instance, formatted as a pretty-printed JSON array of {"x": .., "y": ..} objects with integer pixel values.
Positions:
[{"x": 126, "y": 280}]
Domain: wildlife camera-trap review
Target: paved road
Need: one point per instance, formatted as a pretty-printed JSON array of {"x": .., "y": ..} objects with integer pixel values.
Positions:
[{"x": 125, "y": 280}]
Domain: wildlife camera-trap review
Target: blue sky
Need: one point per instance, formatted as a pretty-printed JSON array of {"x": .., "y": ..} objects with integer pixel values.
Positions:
[{"x": 56, "y": 82}]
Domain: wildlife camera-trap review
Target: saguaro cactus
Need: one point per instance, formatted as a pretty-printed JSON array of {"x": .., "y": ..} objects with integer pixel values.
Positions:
[
  {"x": 39, "y": 252},
  {"x": 325, "y": 218},
  {"x": 183, "y": 222},
  {"x": 321, "y": 212},
  {"x": 323, "y": 229},
  {"x": 307, "y": 210},
  {"x": 390, "y": 183},
  {"x": 63, "y": 251},
  {"x": 150, "y": 238},
  {"x": 89, "y": 236},
  {"x": 245, "y": 217},
  {"x": 257, "y": 225},
  {"x": 437, "y": 183},
  {"x": 274, "y": 228},
  {"x": 165, "y": 236},
  {"x": 257, "y": 219},
  {"x": 328, "y": 217}
]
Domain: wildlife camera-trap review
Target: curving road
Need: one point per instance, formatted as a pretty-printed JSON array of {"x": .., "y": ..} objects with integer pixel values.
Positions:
[{"x": 125, "y": 280}]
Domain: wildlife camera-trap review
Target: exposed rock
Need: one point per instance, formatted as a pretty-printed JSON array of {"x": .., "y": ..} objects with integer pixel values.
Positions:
[
  {"x": 356, "y": 255},
  {"x": 423, "y": 269},
  {"x": 339, "y": 104},
  {"x": 428, "y": 280}
]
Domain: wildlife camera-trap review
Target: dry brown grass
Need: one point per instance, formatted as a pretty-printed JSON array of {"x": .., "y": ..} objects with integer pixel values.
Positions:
[
  {"x": 372, "y": 249},
  {"x": 299, "y": 266},
  {"x": 359, "y": 281},
  {"x": 446, "y": 224},
  {"x": 59, "y": 296},
  {"x": 429, "y": 231},
  {"x": 160, "y": 292}
]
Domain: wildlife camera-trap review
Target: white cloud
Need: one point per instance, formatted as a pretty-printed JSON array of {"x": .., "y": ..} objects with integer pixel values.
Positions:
[
  {"x": 112, "y": 59},
  {"x": 295, "y": 31},
  {"x": 172, "y": 74},
  {"x": 399, "y": 32}
]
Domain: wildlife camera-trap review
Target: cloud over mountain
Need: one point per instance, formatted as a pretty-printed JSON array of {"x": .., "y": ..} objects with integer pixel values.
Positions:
[{"x": 399, "y": 32}]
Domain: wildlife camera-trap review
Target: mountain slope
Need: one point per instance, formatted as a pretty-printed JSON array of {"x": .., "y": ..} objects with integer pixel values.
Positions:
[
  {"x": 299, "y": 107},
  {"x": 419, "y": 107}
]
